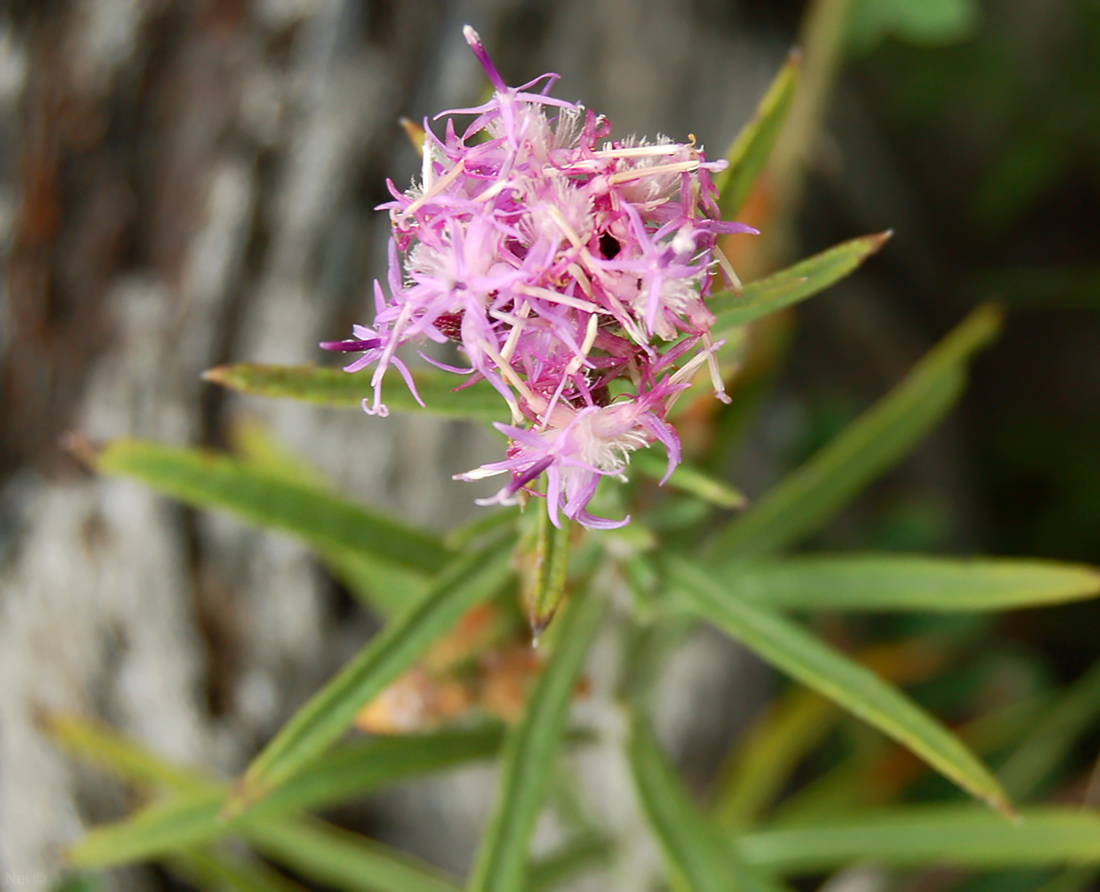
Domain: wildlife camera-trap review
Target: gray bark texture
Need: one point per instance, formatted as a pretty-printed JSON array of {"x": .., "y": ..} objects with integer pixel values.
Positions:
[{"x": 185, "y": 183}]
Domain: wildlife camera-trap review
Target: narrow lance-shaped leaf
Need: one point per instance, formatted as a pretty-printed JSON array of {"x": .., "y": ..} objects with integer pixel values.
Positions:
[
  {"x": 343, "y": 860},
  {"x": 875, "y": 441},
  {"x": 750, "y": 150},
  {"x": 324, "y": 520},
  {"x": 1054, "y": 735},
  {"x": 766, "y": 756},
  {"x": 466, "y": 581},
  {"x": 192, "y": 817},
  {"x": 695, "y": 853},
  {"x": 381, "y": 585},
  {"x": 689, "y": 479},
  {"x": 567, "y": 862},
  {"x": 335, "y": 387},
  {"x": 762, "y": 762},
  {"x": 123, "y": 757},
  {"x": 792, "y": 285},
  {"x": 1075, "y": 879},
  {"x": 916, "y": 836},
  {"x": 793, "y": 650},
  {"x": 552, "y": 559},
  {"x": 210, "y": 870},
  {"x": 529, "y": 754},
  {"x": 903, "y": 582}
]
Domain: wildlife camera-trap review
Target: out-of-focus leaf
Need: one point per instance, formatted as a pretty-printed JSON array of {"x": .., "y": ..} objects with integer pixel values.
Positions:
[
  {"x": 343, "y": 860},
  {"x": 791, "y": 285},
  {"x": 904, "y": 582},
  {"x": 124, "y": 758},
  {"x": 920, "y": 22},
  {"x": 487, "y": 523},
  {"x": 915, "y": 836},
  {"x": 466, "y": 581},
  {"x": 379, "y": 584},
  {"x": 697, "y": 857},
  {"x": 689, "y": 479},
  {"x": 768, "y": 754},
  {"x": 567, "y": 862},
  {"x": 875, "y": 775},
  {"x": 874, "y": 442},
  {"x": 334, "y": 387},
  {"x": 184, "y": 820},
  {"x": 749, "y": 153},
  {"x": 77, "y": 882},
  {"x": 1053, "y": 736},
  {"x": 343, "y": 774},
  {"x": 1075, "y": 879},
  {"x": 206, "y": 480},
  {"x": 763, "y": 760},
  {"x": 210, "y": 870},
  {"x": 793, "y": 650},
  {"x": 527, "y": 763},
  {"x": 1028, "y": 168},
  {"x": 1039, "y": 287}
]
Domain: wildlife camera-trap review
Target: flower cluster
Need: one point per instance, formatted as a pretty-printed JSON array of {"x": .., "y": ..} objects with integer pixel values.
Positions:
[{"x": 567, "y": 272}]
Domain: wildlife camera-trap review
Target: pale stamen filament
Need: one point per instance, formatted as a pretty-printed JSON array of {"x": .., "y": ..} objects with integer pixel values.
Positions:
[
  {"x": 715, "y": 372},
  {"x": 563, "y": 224},
  {"x": 556, "y": 297},
  {"x": 429, "y": 194},
  {"x": 625, "y": 176},
  {"x": 727, "y": 268},
  {"x": 509, "y": 375},
  {"x": 517, "y": 329},
  {"x": 640, "y": 151}
]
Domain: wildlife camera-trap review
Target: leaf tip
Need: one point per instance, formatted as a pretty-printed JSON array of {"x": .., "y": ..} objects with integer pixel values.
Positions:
[
  {"x": 879, "y": 239},
  {"x": 539, "y": 625},
  {"x": 217, "y": 375},
  {"x": 794, "y": 57},
  {"x": 414, "y": 132},
  {"x": 998, "y": 800}
]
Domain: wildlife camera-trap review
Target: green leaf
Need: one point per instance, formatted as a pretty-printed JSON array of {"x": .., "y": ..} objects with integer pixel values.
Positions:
[
  {"x": 206, "y": 480},
  {"x": 789, "y": 286},
  {"x": 869, "y": 446},
  {"x": 335, "y": 387},
  {"x": 551, "y": 562},
  {"x": 184, "y": 820},
  {"x": 768, "y": 753},
  {"x": 904, "y": 582},
  {"x": 793, "y": 650},
  {"x": 571, "y": 859},
  {"x": 339, "y": 776},
  {"x": 917, "y": 836},
  {"x": 126, "y": 759},
  {"x": 749, "y": 153},
  {"x": 697, "y": 857},
  {"x": 920, "y": 22},
  {"x": 529, "y": 754},
  {"x": 212, "y": 870},
  {"x": 1076, "y": 879},
  {"x": 380, "y": 585},
  {"x": 343, "y": 860},
  {"x": 1053, "y": 736},
  {"x": 466, "y": 581},
  {"x": 689, "y": 479},
  {"x": 389, "y": 589}
]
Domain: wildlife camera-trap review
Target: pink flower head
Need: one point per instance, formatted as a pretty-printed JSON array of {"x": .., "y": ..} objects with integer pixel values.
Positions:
[{"x": 559, "y": 264}]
